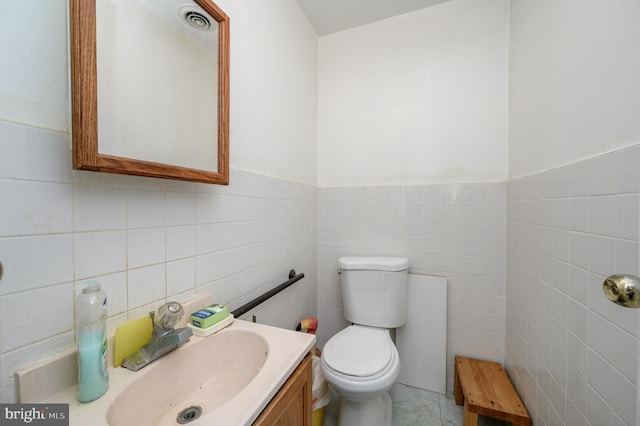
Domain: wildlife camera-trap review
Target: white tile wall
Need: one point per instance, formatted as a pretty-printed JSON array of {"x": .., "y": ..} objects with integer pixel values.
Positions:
[
  {"x": 572, "y": 354},
  {"x": 455, "y": 230},
  {"x": 146, "y": 240}
]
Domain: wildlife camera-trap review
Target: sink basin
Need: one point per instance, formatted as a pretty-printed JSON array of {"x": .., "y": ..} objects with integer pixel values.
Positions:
[
  {"x": 231, "y": 375},
  {"x": 219, "y": 368}
]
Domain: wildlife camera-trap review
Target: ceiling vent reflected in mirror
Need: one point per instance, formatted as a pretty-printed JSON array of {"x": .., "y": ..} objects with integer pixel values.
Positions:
[{"x": 196, "y": 19}]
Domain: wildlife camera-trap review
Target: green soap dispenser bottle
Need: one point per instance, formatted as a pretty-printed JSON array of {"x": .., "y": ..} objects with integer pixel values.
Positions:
[{"x": 91, "y": 336}]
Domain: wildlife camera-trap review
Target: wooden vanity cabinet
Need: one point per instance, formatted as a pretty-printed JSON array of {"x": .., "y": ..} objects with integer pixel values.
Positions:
[{"x": 291, "y": 406}]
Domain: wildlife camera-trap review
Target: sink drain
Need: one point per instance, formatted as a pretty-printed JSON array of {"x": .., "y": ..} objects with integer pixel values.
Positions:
[{"x": 189, "y": 414}]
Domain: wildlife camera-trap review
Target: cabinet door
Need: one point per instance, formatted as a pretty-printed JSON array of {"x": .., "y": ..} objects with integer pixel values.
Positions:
[{"x": 292, "y": 404}]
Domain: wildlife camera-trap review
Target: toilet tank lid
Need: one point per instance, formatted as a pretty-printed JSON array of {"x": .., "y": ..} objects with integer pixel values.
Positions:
[{"x": 374, "y": 263}]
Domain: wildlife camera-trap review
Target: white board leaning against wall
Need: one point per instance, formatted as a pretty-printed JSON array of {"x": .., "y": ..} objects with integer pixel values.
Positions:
[{"x": 422, "y": 341}]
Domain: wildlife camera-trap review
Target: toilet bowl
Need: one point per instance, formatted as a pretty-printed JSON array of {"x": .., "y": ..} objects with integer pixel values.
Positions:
[{"x": 361, "y": 362}]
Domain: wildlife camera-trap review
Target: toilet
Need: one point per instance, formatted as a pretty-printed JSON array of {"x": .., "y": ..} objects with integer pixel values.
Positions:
[{"x": 361, "y": 362}]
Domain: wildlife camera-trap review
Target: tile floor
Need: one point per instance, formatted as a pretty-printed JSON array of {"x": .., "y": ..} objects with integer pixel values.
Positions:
[{"x": 413, "y": 406}]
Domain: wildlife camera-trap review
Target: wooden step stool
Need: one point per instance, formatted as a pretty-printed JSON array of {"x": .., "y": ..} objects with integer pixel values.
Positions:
[{"x": 484, "y": 388}]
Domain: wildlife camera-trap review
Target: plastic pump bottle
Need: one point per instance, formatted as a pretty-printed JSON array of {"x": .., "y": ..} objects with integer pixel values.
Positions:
[{"x": 91, "y": 335}]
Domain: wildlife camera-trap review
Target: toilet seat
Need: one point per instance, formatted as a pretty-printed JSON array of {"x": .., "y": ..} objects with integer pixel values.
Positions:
[{"x": 360, "y": 353}]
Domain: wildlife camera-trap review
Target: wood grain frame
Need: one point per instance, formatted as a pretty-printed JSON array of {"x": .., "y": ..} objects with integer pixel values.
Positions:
[{"x": 84, "y": 103}]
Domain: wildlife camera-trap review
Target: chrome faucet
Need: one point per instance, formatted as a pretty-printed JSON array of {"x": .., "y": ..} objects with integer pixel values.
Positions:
[{"x": 164, "y": 339}]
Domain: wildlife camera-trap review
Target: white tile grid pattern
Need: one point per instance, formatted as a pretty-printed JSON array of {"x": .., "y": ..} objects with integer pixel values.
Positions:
[
  {"x": 146, "y": 240},
  {"x": 571, "y": 353},
  {"x": 455, "y": 230}
]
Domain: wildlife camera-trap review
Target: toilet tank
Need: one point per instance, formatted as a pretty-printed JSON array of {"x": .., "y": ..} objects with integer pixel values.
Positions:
[{"x": 374, "y": 290}]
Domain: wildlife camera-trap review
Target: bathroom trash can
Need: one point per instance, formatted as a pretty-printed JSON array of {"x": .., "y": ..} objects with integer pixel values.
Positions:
[
  {"x": 317, "y": 417},
  {"x": 321, "y": 395}
]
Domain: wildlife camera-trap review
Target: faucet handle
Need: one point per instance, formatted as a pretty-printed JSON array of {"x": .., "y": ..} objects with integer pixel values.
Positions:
[{"x": 169, "y": 314}]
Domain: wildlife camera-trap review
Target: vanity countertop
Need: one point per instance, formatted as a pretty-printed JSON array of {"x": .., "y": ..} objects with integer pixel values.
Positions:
[{"x": 285, "y": 349}]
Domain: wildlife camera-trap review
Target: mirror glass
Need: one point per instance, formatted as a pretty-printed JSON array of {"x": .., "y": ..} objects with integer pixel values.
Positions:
[{"x": 150, "y": 88}]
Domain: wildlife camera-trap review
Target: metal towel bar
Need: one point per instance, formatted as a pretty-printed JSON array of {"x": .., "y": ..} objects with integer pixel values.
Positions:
[{"x": 293, "y": 278}]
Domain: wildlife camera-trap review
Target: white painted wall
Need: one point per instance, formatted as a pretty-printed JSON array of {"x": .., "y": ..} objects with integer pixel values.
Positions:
[
  {"x": 419, "y": 98},
  {"x": 274, "y": 66},
  {"x": 574, "y": 91},
  {"x": 33, "y": 82}
]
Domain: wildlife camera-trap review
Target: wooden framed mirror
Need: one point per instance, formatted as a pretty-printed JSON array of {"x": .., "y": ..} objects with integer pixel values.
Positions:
[{"x": 150, "y": 88}]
